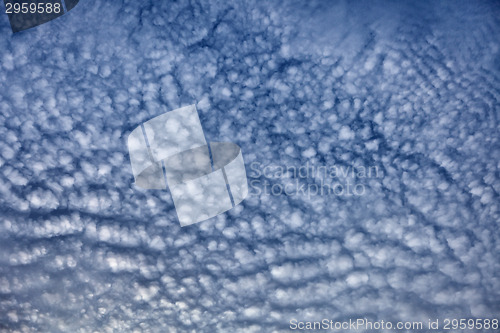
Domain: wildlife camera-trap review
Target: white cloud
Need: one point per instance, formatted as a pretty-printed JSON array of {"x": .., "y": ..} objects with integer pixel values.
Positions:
[{"x": 289, "y": 84}]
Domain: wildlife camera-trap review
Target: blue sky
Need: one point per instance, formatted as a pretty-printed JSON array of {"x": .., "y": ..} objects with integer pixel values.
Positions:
[{"x": 412, "y": 89}]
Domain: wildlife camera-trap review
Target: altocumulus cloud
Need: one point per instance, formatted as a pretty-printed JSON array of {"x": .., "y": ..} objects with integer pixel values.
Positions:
[{"x": 413, "y": 89}]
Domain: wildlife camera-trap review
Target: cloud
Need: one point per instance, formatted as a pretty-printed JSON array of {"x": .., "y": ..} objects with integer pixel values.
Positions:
[{"x": 412, "y": 90}]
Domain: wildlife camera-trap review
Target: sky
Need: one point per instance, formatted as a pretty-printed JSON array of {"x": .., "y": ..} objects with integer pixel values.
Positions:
[{"x": 408, "y": 90}]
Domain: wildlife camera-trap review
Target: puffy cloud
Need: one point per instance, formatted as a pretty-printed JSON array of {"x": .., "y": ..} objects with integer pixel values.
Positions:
[{"x": 412, "y": 91}]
